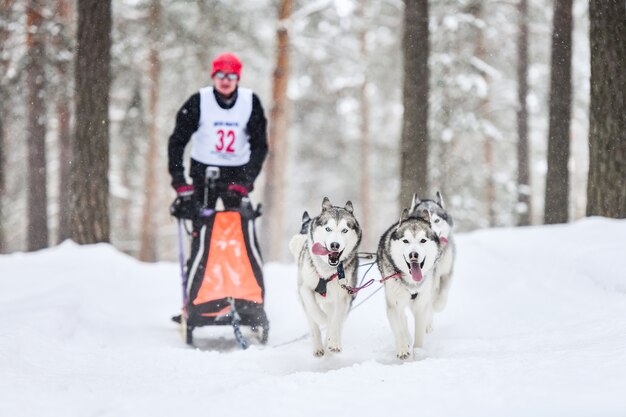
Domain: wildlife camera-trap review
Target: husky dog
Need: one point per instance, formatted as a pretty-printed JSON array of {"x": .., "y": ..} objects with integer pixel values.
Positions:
[
  {"x": 326, "y": 255},
  {"x": 407, "y": 256},
  {"x": 297, "y": 241},
  {"x": 442, "y": 224}
]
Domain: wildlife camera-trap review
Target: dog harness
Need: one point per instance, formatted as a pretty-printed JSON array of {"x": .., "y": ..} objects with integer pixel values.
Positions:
[
  {"x": 322, "y": 283},
  {"x": 396, "y": 275},
  {"x": 354, "y": 290}
]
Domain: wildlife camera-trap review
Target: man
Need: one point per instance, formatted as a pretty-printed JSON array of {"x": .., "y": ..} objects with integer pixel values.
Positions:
[{"x": 228, "y": 127}]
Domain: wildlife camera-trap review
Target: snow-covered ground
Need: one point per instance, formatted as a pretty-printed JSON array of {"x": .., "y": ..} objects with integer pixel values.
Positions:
[{"x": 535, "y": 326}]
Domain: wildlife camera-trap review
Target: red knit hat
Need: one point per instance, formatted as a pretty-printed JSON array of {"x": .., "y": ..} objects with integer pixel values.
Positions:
[{"x": 227, "y": 63}]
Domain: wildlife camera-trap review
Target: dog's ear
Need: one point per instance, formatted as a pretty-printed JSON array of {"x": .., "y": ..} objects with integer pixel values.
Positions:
[
  {"x": 414, "y": 202},
  {"x": 403, "y": 216},
  {"x": 440, "y": 200},
  {"x": 423, "y": 214},
  {"x": 306, "y": 220},
  {"x": 349, "y": 207},
  {"x": 326, "y": 204}
]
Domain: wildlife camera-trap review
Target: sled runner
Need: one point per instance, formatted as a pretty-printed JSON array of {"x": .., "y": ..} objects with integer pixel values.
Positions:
[{"x": 223, "y": 281}]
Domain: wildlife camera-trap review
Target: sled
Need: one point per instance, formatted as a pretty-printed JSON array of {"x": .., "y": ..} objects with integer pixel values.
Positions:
[{"x": 223, "y": 282}]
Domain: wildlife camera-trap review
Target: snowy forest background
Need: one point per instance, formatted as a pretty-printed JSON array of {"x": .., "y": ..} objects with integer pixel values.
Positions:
[{"x": 344, "y": 107}]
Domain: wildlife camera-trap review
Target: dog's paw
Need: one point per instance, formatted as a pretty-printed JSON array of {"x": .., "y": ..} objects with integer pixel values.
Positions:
[
  {"x": 335, "y": 349},
  {"x": 318, "y": 353},
  {"x": 403, "y": 354},
  {"x": 333, "y": 344}
]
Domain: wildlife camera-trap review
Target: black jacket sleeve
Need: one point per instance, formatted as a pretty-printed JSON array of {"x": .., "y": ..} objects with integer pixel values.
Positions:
[
  {"x": 187, "y": 121},
  {"x": 257, "y": 129}
]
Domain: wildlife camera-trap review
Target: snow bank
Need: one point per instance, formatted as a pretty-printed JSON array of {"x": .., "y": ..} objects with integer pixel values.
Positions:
[{"x": 535, "y": 325}]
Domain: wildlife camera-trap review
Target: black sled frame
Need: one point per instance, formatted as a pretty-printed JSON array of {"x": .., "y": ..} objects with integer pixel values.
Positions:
[{"x": 241, "y": 312}]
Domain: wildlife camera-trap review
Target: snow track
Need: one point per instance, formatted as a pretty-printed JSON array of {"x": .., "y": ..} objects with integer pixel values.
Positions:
[{"x": 535, "y": 325}]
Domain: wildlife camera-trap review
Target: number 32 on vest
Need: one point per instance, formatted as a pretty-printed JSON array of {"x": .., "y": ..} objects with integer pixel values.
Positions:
[{"x": 226, "y": 141}]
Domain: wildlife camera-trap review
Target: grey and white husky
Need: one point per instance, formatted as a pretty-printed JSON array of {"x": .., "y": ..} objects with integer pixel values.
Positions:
[
  {"x": 326, "y": 254},
  {"x": 408, "y": 253},
  {"x": 442, "y": 224}
]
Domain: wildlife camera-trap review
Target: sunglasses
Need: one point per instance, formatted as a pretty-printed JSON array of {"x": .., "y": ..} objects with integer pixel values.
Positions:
[{"x": 231, "y": 76}]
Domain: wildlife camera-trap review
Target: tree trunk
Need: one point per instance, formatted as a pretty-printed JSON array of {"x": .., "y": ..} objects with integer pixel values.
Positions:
[
  {"x": 477, "y": 9},
  {"x": 557, "y": 178},
  {"x": 63, "y": 115},
  {"x": 447, "y": 144},
  {"x": 148, "y": 249},
  {"x": 365, "y": 148},
  {"x": 414, "y": 143},
  {"x": 4, "y": 63},
  {"x": 65, "y": 157},
  {"x": 523, "y": 171},
  {"x": 90, "y": 147},
  {"x": 132, "y": 131},
  {"x": 490, "y": 186},
  {"x": 35, "y": 80},
  {"x": 277, "y": 158},
  {"x": 3, "y": 245},
  {"x": 606, "y": 186}
]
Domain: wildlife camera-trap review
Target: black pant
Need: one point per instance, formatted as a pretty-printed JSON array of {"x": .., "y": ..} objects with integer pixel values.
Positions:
[
  {"x": 230, "y": 199},
  {"x": 228, "y": 176}
]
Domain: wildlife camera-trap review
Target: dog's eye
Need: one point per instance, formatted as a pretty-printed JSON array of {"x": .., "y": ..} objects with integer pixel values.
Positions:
[
  {"x": 405, "y": 240},
  {"x": 423, "y": 241},
  {"x": 344, "y": 231},
  {"x": 328, "y": 229},
  {"x": 436, "y": 220}
]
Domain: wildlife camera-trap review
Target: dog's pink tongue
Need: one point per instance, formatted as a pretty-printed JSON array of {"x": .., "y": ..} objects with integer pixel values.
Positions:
[
  {"x": 416, "y": 272},
  {"x": 443, "y": 240},
  {"x": 319, "y": 249}
]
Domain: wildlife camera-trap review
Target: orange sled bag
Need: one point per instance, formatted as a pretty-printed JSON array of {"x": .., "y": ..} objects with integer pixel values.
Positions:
[{"x": 226, "y": 276}]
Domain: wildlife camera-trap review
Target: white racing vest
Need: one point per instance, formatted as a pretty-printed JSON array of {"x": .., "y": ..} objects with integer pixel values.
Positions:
[{"x": 222, "y": 137}]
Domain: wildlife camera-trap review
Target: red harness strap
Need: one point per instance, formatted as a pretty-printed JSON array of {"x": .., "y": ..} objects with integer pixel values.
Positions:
[
  {"x": 397, "y": 274},
  {"x": 354, "y": 290},
  {"x": 321, "y": 286}
]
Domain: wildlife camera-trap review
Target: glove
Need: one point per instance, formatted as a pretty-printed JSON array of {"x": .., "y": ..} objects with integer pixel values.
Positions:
[
  {"x": 240, "y": 189},
  {"x": 184, "y": 191},
  {"x": 235, "y": 193},
  {"x": 183, "y": 206},
  {"x": 178, "y": 181}
]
